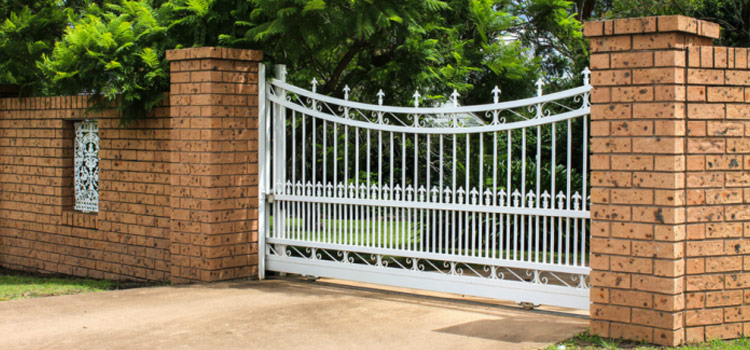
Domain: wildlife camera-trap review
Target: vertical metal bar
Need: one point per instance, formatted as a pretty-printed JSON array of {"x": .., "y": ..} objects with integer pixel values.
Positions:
[
  {"x": 416, "y": 162},
  {"x": 508, "y": 188},
  {"x": 430, "y": 214},
  {"x": 335, "y": 158},
  {"x": 403, "y": 189},
  {"x": 263, "y": 174},
  {"x": 482, "y": 233},
  {"x": 544, "y": 240},
  {"x": 325, "y": 207},
  {"x": 453, "y": 196},
  {"x": 347, "y": 208},
  {"x": 523, "y": 188},
  {"x": 313, "y": 154},
  {"x": 391, "y": 195},
  {"x": 495, "y": 253},
  {"x": 569, "y": 165},
  {"x": 553, "y": 164},
  {"x": 368, "y": 191},
  {"x": 440, "y": 197},
  {"x": 357, "y": 218},
  {"x": 380, "y": 188},
  {"x": 538, "y": 167},
  {"x": 324, "y": 149},
  {"x": 584, "y": 199}
]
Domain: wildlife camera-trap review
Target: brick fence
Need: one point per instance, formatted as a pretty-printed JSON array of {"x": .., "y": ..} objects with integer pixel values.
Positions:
[
  {"x": 178, "y": 190},
  {"x": 669, "y": 156}
]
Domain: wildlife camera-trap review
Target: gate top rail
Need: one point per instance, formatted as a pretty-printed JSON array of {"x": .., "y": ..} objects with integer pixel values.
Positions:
[{"x": 447, "y": 119}]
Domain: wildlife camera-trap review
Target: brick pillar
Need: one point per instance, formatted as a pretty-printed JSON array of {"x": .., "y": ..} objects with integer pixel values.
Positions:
[
  {"x": 214, "y": 200},
  {"x": 717, "y": 298},
  {"x": 639, "y": 145}
]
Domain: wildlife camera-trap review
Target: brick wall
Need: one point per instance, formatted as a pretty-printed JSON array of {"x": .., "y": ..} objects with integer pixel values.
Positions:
[
  {"x": 178, "y": 190},
  {"x": 40, "y": 231},
  {"x": 668, "y": 187},
  {"x": 717, "y": 283}
]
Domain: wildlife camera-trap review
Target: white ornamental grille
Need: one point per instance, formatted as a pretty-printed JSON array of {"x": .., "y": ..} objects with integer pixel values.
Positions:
[{"x": 87, "y": 166}]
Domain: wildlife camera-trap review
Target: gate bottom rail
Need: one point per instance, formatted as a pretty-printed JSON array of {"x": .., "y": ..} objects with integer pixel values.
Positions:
[{"x": 444, "y": 274}]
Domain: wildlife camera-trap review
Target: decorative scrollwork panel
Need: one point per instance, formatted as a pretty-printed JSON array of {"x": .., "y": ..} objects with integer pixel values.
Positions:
[{"x": 86, "y": 166}]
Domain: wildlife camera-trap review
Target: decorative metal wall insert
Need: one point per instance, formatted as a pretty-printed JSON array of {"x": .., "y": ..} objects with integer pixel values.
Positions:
[
  {"x": 86, "y": 166},
  {"x": 488, "y": 200}
]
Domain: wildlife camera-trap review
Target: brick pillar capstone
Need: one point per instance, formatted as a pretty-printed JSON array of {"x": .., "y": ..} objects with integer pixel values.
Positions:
[
  {"x": 214, "y": 174},
  {"x": 639, "y": 145}
]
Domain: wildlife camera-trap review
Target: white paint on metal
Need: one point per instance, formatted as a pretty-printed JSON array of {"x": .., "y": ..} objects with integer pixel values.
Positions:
[
  {"x": 404, "y": 208},
  {"x": 86, "y": 166}
]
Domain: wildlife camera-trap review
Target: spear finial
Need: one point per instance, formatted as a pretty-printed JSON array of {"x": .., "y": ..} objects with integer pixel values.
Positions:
[
  {"x": 586, "y": 76},
  {"x": 539, "y": 85},
  {"x": 496, "y": 94},
  {"x": 454, "y": 98}
]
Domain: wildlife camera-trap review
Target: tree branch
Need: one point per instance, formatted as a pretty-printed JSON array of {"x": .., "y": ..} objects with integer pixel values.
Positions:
[{"x": 343, "y": 63}]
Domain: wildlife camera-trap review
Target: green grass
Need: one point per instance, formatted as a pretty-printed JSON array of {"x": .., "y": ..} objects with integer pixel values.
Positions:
[
  {"x": 19, "y": 285},
  {"x": 586, "y": 341},
  {"x": 394, "y": 234}
]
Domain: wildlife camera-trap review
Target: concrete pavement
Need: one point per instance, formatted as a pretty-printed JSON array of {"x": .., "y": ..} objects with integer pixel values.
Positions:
[{"x": 273, "y": 314}]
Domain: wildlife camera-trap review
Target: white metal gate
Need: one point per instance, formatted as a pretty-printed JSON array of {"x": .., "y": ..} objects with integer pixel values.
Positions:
[{"x": 488, "y": 200}]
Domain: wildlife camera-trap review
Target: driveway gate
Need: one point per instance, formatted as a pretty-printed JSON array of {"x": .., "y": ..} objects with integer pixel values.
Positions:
[{"x": 487, "y": 200}]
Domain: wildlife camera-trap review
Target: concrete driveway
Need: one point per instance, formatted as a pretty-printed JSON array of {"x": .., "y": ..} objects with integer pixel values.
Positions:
[{"x": 273, "y": 314}]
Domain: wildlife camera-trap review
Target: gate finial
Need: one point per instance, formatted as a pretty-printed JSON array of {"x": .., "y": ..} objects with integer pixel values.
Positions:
[
  {"x": 381, "y": 94},
  {"x": 454, "y": 97},
  {"x": 539, "y": 85},
  {"x": 586, "y": 76},
  {"x": 496, "y": 94},
  {"x": 346, "y": 92},
  {"x": 416, "y": 98},
  {"x": 314, "y": 83}
]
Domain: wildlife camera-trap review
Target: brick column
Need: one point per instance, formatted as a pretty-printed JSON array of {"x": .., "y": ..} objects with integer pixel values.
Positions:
[
  {"x": 214, "y": 201},
  {"x": 639, "y": 144},
  {"x": 717, "y": 296}
]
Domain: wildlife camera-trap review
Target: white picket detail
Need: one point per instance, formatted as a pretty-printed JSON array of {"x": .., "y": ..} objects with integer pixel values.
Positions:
[{"x": 430, "y": 197}]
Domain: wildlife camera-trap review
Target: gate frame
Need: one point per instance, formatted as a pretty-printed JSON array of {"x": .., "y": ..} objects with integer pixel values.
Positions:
[{"x": 270, "y": 194}]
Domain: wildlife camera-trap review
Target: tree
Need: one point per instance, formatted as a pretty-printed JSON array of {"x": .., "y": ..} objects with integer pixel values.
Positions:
[
  {"x": 115, "y": 48},
  {"x": 115, "y": 52},
  {"x": 401, "y": 46},
  {"x": 26, "y": 33}
]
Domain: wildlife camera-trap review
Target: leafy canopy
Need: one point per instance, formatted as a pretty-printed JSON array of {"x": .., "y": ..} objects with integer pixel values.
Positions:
[
  {"x": 114, "y": 49},
  {"x": 115, "y": 52}
]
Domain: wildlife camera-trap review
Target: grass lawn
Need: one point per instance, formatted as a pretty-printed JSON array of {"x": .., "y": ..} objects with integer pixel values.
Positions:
[
  {"x": 21, "y": 285},
  {"x": 397, "y": 234},
  {"x": 585, "y": 341}
]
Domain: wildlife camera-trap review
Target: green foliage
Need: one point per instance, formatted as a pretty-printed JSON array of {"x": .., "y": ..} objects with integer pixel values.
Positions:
[
  {"x": 115, "y": 48},
  {"x": 26, "y": 33},
  {"x": 201, "y": 22},
  {"x": 114, "y": 52},
  {"x": 402, "y": 46}
]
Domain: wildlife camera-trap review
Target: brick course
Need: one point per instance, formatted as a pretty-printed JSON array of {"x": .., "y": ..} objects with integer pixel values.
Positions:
[
  {"x": 669, "y": 189},
  {"x": 178, "y": 190}
]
